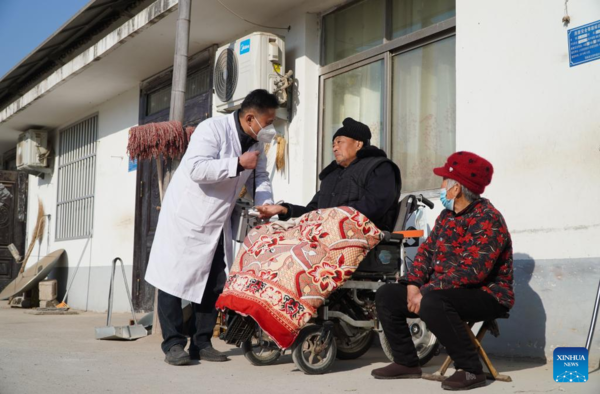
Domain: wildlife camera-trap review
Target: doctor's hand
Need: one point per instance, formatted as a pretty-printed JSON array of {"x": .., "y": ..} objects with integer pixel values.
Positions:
[
  {"x": 413, "y": 296},
  {"x": 249, "y": 160},
  {"x": 266, "y": 211}
]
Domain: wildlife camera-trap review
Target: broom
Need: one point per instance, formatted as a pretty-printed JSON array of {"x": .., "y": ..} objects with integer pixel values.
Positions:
[
  {"x": 38, "y": 234},
  {"x": 63, "y": 305}
]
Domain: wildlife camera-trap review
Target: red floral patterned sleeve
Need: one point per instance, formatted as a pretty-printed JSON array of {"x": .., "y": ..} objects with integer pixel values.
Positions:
[
  {"x": 472, "y": 255},
  {"x": 421, "y": 268}
]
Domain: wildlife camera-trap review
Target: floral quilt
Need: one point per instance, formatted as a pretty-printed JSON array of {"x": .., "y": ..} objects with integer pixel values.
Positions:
[{"x": 282, "y": 274}]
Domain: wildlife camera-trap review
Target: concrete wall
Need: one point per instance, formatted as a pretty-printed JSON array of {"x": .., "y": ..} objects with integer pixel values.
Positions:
[
  {"x": 114, "y": 212},
  {"x": 297, "y": 183},
  {"x": 521, "y": 106}
]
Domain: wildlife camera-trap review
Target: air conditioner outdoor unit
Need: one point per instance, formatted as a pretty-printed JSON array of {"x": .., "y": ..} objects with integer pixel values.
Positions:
[
  {"x": 255, "y": 61},
  {"x": 32, "y": 151}
]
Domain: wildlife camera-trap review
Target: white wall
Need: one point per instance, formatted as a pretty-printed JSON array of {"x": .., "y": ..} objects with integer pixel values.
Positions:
[
  {"x": 297, "y": 184},
  {"x": 521, "y": 106},
  {"x": 114, "y": 209}
]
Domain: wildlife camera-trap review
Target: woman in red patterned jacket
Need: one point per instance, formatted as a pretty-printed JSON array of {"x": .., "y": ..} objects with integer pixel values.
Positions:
[{"x": 462, "y": 272}]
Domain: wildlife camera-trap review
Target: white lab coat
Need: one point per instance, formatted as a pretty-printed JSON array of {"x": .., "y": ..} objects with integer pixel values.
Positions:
[{"x": 198, "y": 206}]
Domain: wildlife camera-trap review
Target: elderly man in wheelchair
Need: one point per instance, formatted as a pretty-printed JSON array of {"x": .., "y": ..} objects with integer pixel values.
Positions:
[
  {"x": 361, "y": 177},
  {"x": 463, "y": 272}
]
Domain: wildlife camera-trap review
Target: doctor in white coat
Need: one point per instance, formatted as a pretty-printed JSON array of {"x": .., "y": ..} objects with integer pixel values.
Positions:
[{"x": 192, "y": 249}]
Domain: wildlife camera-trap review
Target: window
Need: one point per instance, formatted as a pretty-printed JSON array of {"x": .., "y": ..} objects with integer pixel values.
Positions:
[
  {"x": 353, "y": 29},
  {"x": 401, "y": 83},
  {"x": 424, "y": 112},
  {"x": 159, "y": 100},
  {"x": 357, "y": 94},
  {"x": 76, "y": 179},
  {"x": 196, "y": 84},
  {"x": 411, "y": 15}
]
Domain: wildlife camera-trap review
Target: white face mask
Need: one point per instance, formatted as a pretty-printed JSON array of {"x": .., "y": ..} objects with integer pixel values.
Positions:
[{"x": 265, "y": 134}]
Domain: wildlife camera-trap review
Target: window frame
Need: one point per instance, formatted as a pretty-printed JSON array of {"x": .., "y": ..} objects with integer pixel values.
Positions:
[
  {"x": 385, "y": 51},
  {"x": 321, "y": 133},
  {"x": 60, "y": 179},
  {"x": 387, "y": 29},
  {"x": 196, "y": 63}
]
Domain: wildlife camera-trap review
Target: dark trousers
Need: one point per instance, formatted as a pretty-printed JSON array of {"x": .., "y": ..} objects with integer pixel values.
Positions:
[
  {"x": 444, "y": 312},
  {"x": 204, "y": 315}
]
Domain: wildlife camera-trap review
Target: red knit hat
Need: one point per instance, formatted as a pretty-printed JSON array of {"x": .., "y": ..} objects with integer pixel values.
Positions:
[{"x": 472, "y": 171}]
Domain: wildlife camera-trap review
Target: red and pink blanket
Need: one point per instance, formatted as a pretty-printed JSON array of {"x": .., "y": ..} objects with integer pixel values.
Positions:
[{"x": 285, "y": 271}]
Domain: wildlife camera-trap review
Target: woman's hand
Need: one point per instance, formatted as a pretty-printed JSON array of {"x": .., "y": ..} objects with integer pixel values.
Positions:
[
  {"x": 413, "y": 297},
  {"x": 267, "y": 211}
]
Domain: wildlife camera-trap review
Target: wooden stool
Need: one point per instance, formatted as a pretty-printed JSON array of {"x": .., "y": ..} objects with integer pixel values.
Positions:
[
  {"x": 490, "y": 326},
  {"x": 218, "y": 329}
]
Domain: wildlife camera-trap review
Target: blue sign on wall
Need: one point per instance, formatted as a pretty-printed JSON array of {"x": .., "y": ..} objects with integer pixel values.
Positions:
[
  {"x": 584, "y": 43},
  {"x": 245, "y": 46},
  {"x": 132, "y": 165}
]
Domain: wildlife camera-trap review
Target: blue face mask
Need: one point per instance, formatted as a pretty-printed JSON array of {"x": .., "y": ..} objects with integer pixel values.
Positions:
[{"x": 448, "y": 204}]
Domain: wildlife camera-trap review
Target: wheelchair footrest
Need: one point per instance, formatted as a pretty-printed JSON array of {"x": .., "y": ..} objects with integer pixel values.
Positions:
[{"x": 239, "y": 330}]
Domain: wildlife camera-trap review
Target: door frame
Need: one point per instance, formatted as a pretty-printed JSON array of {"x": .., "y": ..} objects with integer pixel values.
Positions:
[{"x": 19, "y": 218}]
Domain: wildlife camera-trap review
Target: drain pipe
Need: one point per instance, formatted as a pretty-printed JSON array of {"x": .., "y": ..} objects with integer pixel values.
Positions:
[
  {"x": 182, "y": 40},
  {"x": 180, "y": 62}
]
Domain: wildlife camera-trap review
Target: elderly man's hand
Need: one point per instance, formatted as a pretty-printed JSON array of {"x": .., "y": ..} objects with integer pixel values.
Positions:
[
  {"x": 413, "y": 297},
  {"x": 267, "y": 211}
]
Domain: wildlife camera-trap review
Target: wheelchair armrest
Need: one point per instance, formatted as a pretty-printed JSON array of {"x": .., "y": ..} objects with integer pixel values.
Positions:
[
  {"x": 391, "y": 238},
  {"x": 410, "y": 233},
  {"x": 401, "y": 235}
]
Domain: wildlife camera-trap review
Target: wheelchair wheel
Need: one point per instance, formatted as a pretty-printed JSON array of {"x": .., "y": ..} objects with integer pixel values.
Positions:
[
  {"x": 260, "y": 349},
  {"x": 314, "y": 350},
  {"x": 354, "y": 346},
  {"x": 425, "y": 342}
]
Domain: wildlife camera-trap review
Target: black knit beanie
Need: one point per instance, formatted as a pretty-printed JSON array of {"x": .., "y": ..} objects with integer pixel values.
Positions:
[{"x": 355, "y": 130}]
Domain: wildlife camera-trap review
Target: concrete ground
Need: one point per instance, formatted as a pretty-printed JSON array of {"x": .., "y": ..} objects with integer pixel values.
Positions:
[{"x": 59, "y": 354}]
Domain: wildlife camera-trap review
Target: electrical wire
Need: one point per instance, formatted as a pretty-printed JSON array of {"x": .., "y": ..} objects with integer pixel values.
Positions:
[
  {"x": 566, "y": 19},
  {"x": 252, "y": 23}
]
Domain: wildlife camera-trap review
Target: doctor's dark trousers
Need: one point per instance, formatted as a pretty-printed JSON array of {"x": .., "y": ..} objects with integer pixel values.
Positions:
[{"x": 204, "y": 315}]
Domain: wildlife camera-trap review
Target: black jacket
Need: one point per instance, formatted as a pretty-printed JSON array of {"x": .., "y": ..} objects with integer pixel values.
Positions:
[{"x": 370, "y": 184}]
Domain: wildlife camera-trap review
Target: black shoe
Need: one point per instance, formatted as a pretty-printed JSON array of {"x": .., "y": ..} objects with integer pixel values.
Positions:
[
  {"x": 463, "y": 380},
  {"x": 177, "y": 356},
  {"x": 212, "y": 354},
  {"x": 397, "y": 371}
]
